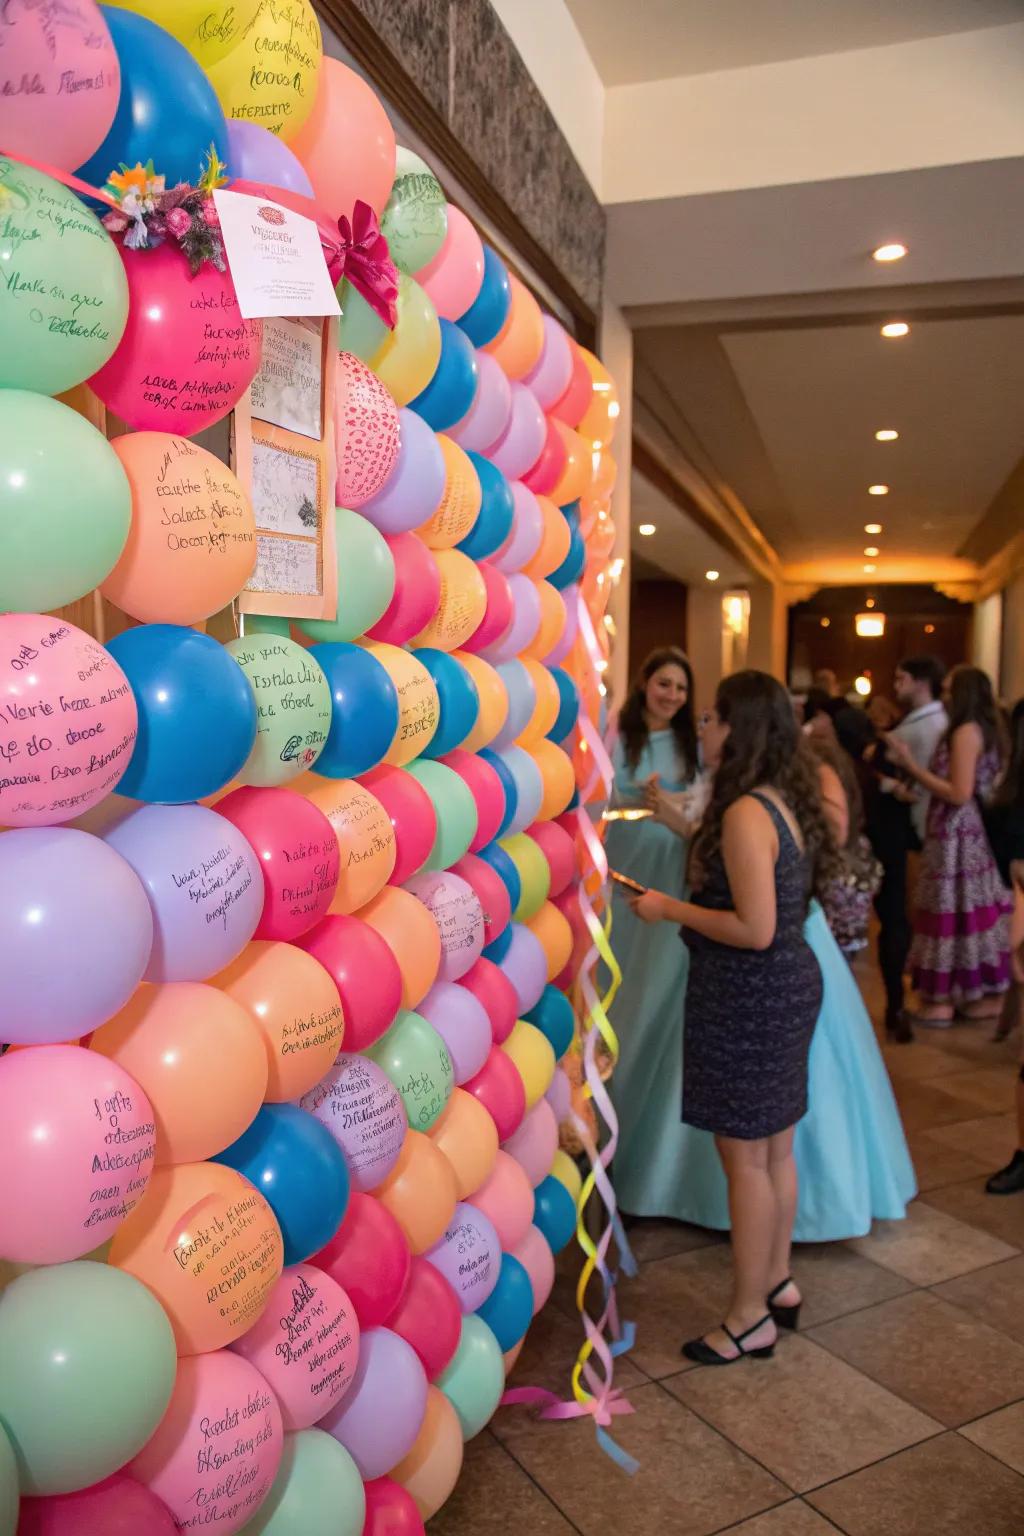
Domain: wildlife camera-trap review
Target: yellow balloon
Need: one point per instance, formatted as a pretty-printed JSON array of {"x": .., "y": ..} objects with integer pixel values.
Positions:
[
  {"x": 407, "y": 358},
  {"x": 460, "y": 504},
  {"x": 493, "y": 700},
  {"x": 419, "y": 708},
  {"x": 533, "y": 1058},
  {"x": 566, "y": 1172},
  {"x": 462, "y": 605}
]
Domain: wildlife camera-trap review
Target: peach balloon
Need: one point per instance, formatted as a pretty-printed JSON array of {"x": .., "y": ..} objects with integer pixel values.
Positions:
[
  {"x": 577, "y": 470},
  {"x": 533, "y": 1058},
  {"x": 519, "y": 343},
  {"x": 419, "y": 709},
  {"x": 455, "y": 276},
  {"x": 604, "y": 473},
  {"x": 557, "y": 778},
  {"x": 347, "y": 144},
  {"x": 506, "y": 1199},
  {"x": 410, "y": 932},
  {"x": 554, "y": 543},
  {"x": 545, "y": 711},
  {"x": 535, "y": 1255},
  {"x": 197, "y": 1056},
  {"x": 553, "y": 620},
  {"x": 510, "y": 1356},
  {"x": 553, "y": 930},
  {"x": 459, "y": 506},
  {"x": 468, "y": 1137},
  {"x": 432, "y": 1467},
  {"x": 462, "y": 605},
  {"x": 293, "y": 1004},
  {"x": 493, "y": 696},
  {"x": 366, "y": 838},
  {"x": 208, "y": 1246},
  {"x": 601, "y": 417},
  {"x": 419, "y": 1192}
]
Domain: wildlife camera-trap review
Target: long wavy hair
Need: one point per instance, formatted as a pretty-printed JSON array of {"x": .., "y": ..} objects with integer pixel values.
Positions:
[
  {"x": 1011, "y": 790},
  {"x": 972, "y": 702},
  {"x": 633, "y": 724},
  {"x": 764, "y": 747}
]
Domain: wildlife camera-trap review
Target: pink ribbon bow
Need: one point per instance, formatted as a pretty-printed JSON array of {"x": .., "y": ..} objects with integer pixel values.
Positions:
[{"x": 361, "y": 254}]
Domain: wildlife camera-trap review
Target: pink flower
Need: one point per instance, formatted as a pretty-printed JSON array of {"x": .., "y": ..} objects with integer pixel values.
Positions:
[
  {"x": 178, "y": 222},
  {"x": 210, "y": 214}
]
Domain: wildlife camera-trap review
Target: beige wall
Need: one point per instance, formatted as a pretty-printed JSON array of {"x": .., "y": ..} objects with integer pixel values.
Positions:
[
  {"x": 615, "y": 346},
  {"x": 1011, "y": 681}
]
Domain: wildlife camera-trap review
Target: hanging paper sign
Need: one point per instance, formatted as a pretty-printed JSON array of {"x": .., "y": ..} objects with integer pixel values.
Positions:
[{"x": 276, "y": 258}]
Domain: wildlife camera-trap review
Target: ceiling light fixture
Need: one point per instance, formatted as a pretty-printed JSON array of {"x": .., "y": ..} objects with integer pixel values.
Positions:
[
  {"x": 712, "y": 575},
  {"x": 929, "y": 629},
  {"x": 871, "y": 551},
  {"x": 869, "y": 570},
  {"x": 872, "y": 527},
  {"x": 647, "y": 529},
  {"x": 870, "y": 625},
  {"x": 896, "y": 328},
  {"x": 878, "y": 490},
  {"x": 886, "y": 435},
  {"x": 894, "y": 251}
]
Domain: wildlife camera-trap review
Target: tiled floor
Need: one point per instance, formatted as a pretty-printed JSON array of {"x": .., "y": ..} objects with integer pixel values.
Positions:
[{"x": 897, "y": 1411}]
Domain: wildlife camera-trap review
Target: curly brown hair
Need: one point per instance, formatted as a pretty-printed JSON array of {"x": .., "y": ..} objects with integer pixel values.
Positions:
[
  {"x": 764, "y": 747},
  {"x": 633, "y": 723}
]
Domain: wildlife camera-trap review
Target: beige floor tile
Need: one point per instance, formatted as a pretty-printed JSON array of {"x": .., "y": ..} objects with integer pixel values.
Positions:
[
  {"x": 1000, "y": 1215},
  {"x": 993, "y": 1089},
  {"x": 494, "y": 1496},
  {"x": 919, "y": 1062},
  {"x": 926, "y": 1105},
  {"x": 995, "y": 1295},
  {"x": 937, "y": 1164},
  {"x": 676, "y": 1299},
  {"x": 991, "y": 1139},
  {"x": 792, "y": 1519},
  {"x": 691, "y": 1481},
  {"x": 932, "y": 1354},
  {"x": 1001, "y": 1434},
  {"x": 835, "y": 1280},
  {"x": 653, "y": 1239},
  {"x": 945, "y": 1487},
  {"x": 930, "y": 1246},
  {"x": 806, "y": 1415}
]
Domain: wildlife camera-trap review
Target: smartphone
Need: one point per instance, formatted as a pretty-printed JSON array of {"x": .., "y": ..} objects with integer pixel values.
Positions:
[{"x": 627, "y": 883}]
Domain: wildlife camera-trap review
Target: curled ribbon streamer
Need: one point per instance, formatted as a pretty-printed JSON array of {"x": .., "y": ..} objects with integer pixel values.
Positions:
[
  {"x": 361, "y": 254},
  {"x": 72, "y": 182}
]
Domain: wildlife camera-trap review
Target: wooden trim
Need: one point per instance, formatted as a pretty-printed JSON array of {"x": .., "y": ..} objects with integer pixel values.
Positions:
[{"x": 394, "y": 82}]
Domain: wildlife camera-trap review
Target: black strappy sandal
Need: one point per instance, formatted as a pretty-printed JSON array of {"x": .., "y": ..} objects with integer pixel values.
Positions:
[
  {"x": 703, "y": 1354},
  {"x": 784, "y": 1317}
]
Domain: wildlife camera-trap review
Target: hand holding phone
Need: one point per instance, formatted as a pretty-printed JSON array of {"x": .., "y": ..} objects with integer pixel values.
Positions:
[{"x": 627, "y": 883}]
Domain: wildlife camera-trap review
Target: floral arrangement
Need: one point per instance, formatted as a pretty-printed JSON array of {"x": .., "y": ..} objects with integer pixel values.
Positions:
[{"x": 148, "y": 212}]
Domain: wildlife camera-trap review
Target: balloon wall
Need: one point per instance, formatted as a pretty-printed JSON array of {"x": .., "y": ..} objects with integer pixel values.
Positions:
[{"x": 287, "y": 1034}]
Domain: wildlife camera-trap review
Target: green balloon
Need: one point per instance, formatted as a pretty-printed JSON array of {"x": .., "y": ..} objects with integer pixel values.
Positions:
[
  {"x": 475, "y": 1380},
  {"x": 415, "y": 219},
  {"x": 266, "y": 624},
  {"x": 65, "y": 504},
  {"x": 534, "y": 874},
  {"x": 293, "y": 707},
  {"x": 416, "y": 1059},
  {"x": 87, "y": 1366},
  {"x": 366, "y": 580},
  {"x": 64, "y": 294},
  {"x": 317, "y": 1491},
  {"x": 454, "y": 807},
  {"x": 361, "y": 331},
  {"x": 8, "y": 1487}
]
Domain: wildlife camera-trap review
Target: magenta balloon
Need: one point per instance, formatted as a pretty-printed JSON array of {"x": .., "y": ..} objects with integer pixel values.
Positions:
[
  {"x": 413, "y": 490},
  {"x": 468, "y": 1255},
  {"x": 525, "y": 621},
  {"x": 497, "y": 614},
  {"x": 378, "y": 1419},
  {"x": 488, "y": 416},
  {"x": 559, "y": 1095},
  {"x": 527, "y": 532},
  {"x": 256, "y": 154},
  {"x": 75, "y": 934},
  {"x": 535, "y": 1143},
  {"x": 519, "y": 446},
  {"x": 363, "y": 1110},
  {"x": 462, "y": 1022},
  {"x": 549, "y": 377},
  {"x": 452, "y": 281},
  {"x": 204, "y": 883},
  {"x": 559, "y": 651},
  {"x": 116, "y": 1507},
  {"x": 525, "y": 964}
]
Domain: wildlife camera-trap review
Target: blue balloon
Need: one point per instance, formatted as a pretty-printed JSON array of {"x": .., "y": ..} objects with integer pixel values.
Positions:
[
  {"x": 197, "y": 713},
  {"x": 497, "y": 509},
  {"x": 508, "y": 784},
  {"x": 301, "y": 1172},
  {"x": 364, "y": 710},
  {"x": 568, "y": 705},
  {"x": 168, "y": 111},
  {"x": 522, "y": 701},
  {"x": 508, "y": 1310},
  {"x": 553, "y": 1016},
  {"x": 498, "y": 948},
  {"x": 554, "y": 1213},
  {"x": 489, "y": 310},
  {"x": 458, "y": 699},
  {"x": 574, "y": 803},
  {"x": 571, "y": 513},
  {"x": 571, "y": 568},
  {"x": 504, "y": 867},
  {"x": 450, "y": 392}
]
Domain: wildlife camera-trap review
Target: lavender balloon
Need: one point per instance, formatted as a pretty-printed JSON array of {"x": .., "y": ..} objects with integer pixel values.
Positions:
[
  {"x": 525, "y": 622},
  {"x": 363, "y": 1110},
  {"x": 379, "y": 1417},
  {"x": 527, "y": 532},
  {"x": 462, "y": 1022},
  {"x": 488, "y": 416},
  {"x": 525, "y": 964},
  {"x": 529, "y": 788},
  {"x": 560, "y": 651},
  {"x": 522, "y": 701},
  {"x": 413, "y": 490},
  {"x": 559, "y": 1095},
  {"x": 75, "y": 934},
  {"x": 468, "y": 1256},
  {"x": 455, "y": 908},
  {"x": 256, "y": 154},
  {"x": 550, "y": 375},
  {"x": 519, "y": 446}
]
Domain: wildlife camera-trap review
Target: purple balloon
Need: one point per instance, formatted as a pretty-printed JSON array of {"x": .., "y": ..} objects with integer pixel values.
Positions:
[
  {"x": 379, "y": 1417},
  {"x": 525, "y": 622},
  {"x": 559, "y": 1095},
  {"x": 489, "y": 414},
  {"x": 526, "y": 967},
  {"x": 204, "y": 884},
  {"x": 455, "y": 908},
  {"x": 535, "y": 1143},
  {"x": 462, "y": 1022},
  {"x": 527, "y": 532},
  {"x": 561, "y": 649},
  {"x": 529, "y": 787},
  {"x": 522, "y": 700},
  {"x": 256, "y": 154},
  {"x": 550, "y": 375},
  {"x": 468, "y": 1256},
  {"x": 75, "y": 934},
  {"x": 519, "y": 446},
  {"x": 363, "y": 1110},
  {"x": 413, "y": 490}
]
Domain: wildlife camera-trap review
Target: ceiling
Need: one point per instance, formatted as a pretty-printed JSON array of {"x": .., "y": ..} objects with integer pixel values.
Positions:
[
  {"x": 678, "y": 547},
  {"x": 661, "y": 39}
]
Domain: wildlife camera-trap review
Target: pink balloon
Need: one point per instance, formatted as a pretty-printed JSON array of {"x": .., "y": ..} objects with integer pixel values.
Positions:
[
  {"x": 468, "y": 1255},
  {"x": 428, "y": 1317},
  {"x": 507, "y": 1199},
  {"x": 68, "y": 56},
  {"x": 365, "y": 972},
  {"x": 519, "y": 446},
  {"x": 366, "y": 432},
  {"x": 380, "y": 1417},
  {"x": 525, "y": 623},
  {"x": 489, "y": 983},
  {"x": 68, "y": 721},
  {"x": 452, "y": 281},
  {"x": 412, "y": 816},
  {"x": 187, "y": 356},
  {"x": 461, "y": 1021},
  {"x": 499, "y": 1088},
  {"x": 119, "y": 1506},
  {"x": 77, "y": 1138},
  {"x": 455, "y": 908},
  {"x": 488, "y": 416},
  {"x": 548, "y": 470},
  {"x": 222, "y": 1414},
  {"x": 535, "y": 1143},
  {"x": 549, "y": 377},
  {"x": 558, "y": 847},
  {"x": 412, "y": 492},
  {"x": 305, "y": 1344},
  {"x": 497, "y": 614},
  {"x": 492, "y": 892},
  {"x": 558, "y": 652},
  {"x": 363, "y": 1110},
  {"x": 297, "y": 852},
  {"x": 559, "y": 1095},
  {"x": 417, "y": 590},
  {"x": 485, "y": 787},
  {"x": 534, "y": 1254},
  {"x": 527, "y": 532}
]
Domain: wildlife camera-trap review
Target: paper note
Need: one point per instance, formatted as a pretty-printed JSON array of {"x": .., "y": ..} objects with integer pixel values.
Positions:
[
  {"x": 276, "y": 259},
  {"x": 286, "y": 391}
]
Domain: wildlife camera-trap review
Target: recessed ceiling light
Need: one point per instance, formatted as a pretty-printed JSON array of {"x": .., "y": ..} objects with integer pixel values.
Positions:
[
  {"x": 825, "y": 623},
  {"x": 894, "y": 251},
  {"x": 872, "y": 527},
  {"x": 712, "y": 575},
  {"x": 869, "y": 570},
  {"x": 896, "y": 328},
  {"x": 871, "y": 551},
  {"x": 878, "y": 490},
  {"x": 647, "y": 529},
  {"x": 886, "y": 435}
]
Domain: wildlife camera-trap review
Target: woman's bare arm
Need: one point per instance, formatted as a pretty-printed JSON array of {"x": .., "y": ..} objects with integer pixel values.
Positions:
[{"x": 833, "y": 803}]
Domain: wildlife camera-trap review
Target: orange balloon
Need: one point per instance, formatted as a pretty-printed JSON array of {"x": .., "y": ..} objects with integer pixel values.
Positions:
[
  {"x": 419, "y": 709},
  {"x": 432, "y": 1467},
  {"x": 366, "y": 838},
  {"x": 493, "y": 696},
  {"x": 410, "y": 932},
  {"x": 603, "y": 473},
  {"x": 294, "y": 1005},
  {"x": 198, "y": 1058},
  {"x": 554, "y": 544},
  {"x": 346, "y": 143},
  {"x": 460, "y": 504},
  {"x": 545, "y": 711},
  {"x": 208, "y": 1246},
  {"x": 552, "y": 622},
  {"x": 462, "y": 605},
  {"x": 519, "y": 343},
  {"x": 468, "y": 1137},
  {"x": 551, "y": 927},
  {"x": 192, "y": 542},
  {"x": 419, "y": 1191},
  {"x": 557, "y": 778},
  {"x": 512, "y": 1355},
  {"x": 602, "y": 414},
  {"x": 576, "y": 474}
]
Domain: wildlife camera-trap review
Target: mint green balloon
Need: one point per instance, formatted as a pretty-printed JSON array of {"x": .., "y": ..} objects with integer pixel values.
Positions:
[
  {"x": 415, "y": 218},
  {"x": 534, "y": 874},
  {"x": 266, "y": 624},
  {"x": 366, "y": 580},
  {"x": 65, "y": 504},
  {"x": 361, "y": 331},
  {"x": 8, "y": 1487},
  {"x": 317, "y": 1491},
  {"x": 416, "y": 1059},
  {"x": 87, "y": 1365},
  {"x": 454, "y": 807},
  {"x": 293, "y": 708},
  {"x": 475, "y": 1380},
  {"x": 63, "y": 292}
]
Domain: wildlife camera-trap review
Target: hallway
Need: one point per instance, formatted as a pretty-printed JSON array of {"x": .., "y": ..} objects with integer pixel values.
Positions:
[{"x": 898, "y": 1408}]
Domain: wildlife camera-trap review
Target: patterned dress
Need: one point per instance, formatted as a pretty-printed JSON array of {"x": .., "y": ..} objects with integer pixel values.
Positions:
[{"x": 961, "y": 945}]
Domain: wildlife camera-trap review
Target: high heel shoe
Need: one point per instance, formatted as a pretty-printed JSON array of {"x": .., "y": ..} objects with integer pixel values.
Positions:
[
  {"x": 700, "y": 1351},
  {"x": 784, "y": 1317}
]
